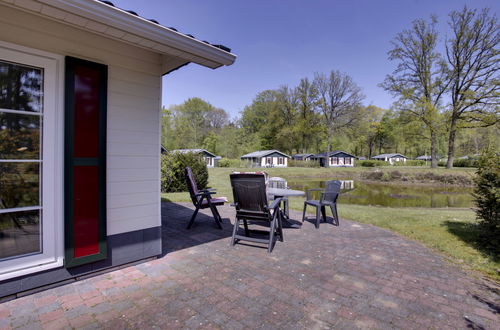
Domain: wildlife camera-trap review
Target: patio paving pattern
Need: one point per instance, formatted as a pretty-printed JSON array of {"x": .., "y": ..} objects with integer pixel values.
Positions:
[{"x": 344, "y": 277}]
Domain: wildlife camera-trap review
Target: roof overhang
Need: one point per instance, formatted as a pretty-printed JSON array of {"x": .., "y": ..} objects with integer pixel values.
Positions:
[{"x": 112, "y": 22}]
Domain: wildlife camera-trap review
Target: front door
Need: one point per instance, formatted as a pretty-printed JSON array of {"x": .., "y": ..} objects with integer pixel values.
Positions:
[{"x": 28, "y": 130}]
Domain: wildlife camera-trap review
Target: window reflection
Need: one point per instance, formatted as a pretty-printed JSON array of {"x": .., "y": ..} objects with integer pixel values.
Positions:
[
  {"x": 19, "y": 185},
  {"x": 20, "y": 87},
  {"x": 19, "y": 233},
  {"x": 19, "y": 136}
]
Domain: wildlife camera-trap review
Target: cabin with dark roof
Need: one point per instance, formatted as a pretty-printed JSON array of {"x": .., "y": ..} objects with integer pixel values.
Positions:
[
  {"x": 302, "y": 157},
  {"x": 391, "y": 158},
  {"x": 80, "y": 99},
  {"x": 336, "y": 158},
  {"x": 266, "y": 158}
]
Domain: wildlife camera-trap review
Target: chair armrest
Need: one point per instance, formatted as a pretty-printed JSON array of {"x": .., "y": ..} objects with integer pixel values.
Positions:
[
  {"x": 205, "y": 193},
  {"x": 209, "y": 189},
  {"x": 308, "y": 192},
  {"x": 235, "y": 204},
  {"x": 276, "y": 203}
]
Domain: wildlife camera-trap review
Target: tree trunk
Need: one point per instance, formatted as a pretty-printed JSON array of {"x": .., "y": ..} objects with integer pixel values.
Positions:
[
  {"x": 434, "y": 162},
  {"x": 327, "y": 158},
  {"x": 451, "y": 142}
]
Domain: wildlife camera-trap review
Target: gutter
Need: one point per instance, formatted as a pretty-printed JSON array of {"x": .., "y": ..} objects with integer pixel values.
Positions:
[{"x": 120, "y": 19}]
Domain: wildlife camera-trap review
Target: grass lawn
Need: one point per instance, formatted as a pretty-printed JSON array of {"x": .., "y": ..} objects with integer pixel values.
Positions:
[{"x": 448, "y": 231}]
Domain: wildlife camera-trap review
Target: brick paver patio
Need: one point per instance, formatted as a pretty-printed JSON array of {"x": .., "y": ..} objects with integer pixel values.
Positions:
[{"x": 351, "y": 276}]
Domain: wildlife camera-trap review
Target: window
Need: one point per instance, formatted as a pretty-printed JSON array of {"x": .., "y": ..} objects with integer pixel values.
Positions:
[
  {"x": 348, "y": 160},
  {"x": 29, "y": 238},
  {"x": 269, "y": 160},
  {"x": 281, "y": 161},
  {"x": 21, "y": 118},
  {"x": 334, "y": 160}
]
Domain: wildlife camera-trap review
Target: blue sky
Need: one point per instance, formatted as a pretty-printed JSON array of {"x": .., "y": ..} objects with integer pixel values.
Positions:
[{"x": 280, "y": 42}]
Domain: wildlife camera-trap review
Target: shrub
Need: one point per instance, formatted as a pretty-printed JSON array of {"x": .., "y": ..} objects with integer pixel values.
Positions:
[
  {"x": 411, "y": 162},
  {"x": 372, "y": 163},
  {"x": 172, "y": 171},
  {"x": 487, "y": 200},
  {"x": 303, "y": 163},
  {"x": 224, "y": 162},
  {"x": 465, "y": 163}
]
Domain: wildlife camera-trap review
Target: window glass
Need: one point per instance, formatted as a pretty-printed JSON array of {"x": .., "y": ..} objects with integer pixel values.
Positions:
[
  {"x": 20, "y": 233},
  {"x": 20, "y": 87},
  {"x": 19, "y": 136},
  {"x": 19, "y": 185},
  {"x": 21, "y": 108}
]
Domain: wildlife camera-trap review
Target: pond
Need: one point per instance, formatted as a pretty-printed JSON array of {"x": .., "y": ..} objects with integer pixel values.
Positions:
[{"x": 394, "y": 195}]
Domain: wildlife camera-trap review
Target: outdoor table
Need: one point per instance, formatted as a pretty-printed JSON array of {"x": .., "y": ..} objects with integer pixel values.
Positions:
[{"x": 279, "y": 192}]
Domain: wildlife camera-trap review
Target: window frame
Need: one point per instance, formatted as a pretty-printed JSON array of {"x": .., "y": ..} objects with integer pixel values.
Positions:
[{"x": 51, "y": 156}]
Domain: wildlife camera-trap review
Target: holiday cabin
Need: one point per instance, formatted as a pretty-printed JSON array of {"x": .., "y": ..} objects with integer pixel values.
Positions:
[
  {"x": 266, "y": 158},
  {"x": 80, "y": 99}
]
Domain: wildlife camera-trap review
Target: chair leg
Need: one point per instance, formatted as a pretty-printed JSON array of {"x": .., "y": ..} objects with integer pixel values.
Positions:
[
  {"x": 245, "y": 223},
  {"x": 193, "y": 217},
  {"x": 304, "y": 212},
  {"x": 335, "y": 214},
  {"x": 280, "y": 227},
  {"x": 271, "y": 235},
  {"x": 235, "y": 231},
  {"x": 215, "y": 213},
  {"x": 218, "y": 214},
  {"x": 318, "y": 216},
  {"x": 323, "y": 212}
]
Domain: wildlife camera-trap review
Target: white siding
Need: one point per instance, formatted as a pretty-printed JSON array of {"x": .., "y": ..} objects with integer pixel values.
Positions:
[{"x": 134, "y": 101}]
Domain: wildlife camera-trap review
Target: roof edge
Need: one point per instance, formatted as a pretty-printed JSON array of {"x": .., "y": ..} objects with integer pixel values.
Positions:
[{"x": 121, "y": 19}]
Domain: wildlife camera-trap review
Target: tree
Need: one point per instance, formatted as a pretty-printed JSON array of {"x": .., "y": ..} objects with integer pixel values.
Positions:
[
  {"x": 472, "y": 55},
  {"x": 487, "y": 199},
  {"x": 340, "y": 101},
  {"x": 189, "y": 124},
  {"x": 419, "y": 80},
  {"x": 308, "y": 122}
]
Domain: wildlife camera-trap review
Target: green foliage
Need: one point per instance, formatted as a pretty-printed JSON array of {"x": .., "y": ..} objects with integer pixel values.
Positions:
[
  {"x": 372, "y": 163},
  {"x": 471, "y": 162},
  {"x": 487, "y": 200},
  {"x": 228, "y": 162},
  {"x": 410, "y": 162},
  {"x": 224, "y": 162},
  {"x": 172, "y": 171},
  {"x": 303, "y": 163}
]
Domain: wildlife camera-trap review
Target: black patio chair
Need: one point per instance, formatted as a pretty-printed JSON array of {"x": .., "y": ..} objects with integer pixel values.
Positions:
[
  {"x": 202, "y": 199},
  {"x": 250, "y": 200},
  {"x": 328, "y": 197}
]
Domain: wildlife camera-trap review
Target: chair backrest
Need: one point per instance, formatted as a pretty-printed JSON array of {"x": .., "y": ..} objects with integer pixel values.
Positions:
[
  {"x": 332, "y": 191},
  {"x": 249, "y": 192},
  {"x": 191, "y": 184}
]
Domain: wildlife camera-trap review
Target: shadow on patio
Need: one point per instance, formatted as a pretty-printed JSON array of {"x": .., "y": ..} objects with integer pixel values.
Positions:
[{"x": 175, "y": 236}]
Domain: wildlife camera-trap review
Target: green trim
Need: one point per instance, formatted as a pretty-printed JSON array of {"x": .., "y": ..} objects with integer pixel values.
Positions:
[
  {"x": 70, "y": 162},
  {"x": 86, "y": 161}
]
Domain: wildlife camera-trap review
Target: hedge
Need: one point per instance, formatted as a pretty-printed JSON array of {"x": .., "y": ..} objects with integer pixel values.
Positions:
[{"x": 172, "y": 171}]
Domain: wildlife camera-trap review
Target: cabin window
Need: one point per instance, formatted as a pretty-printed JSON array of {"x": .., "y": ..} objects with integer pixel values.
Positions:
[
  {"x": 281, "y": 161},
  {"x": 334, "y": 161},
  {"x": 269, "y": 160},
  {"x": 208, "y": 160},
  {"x": 347, "y": 160}
]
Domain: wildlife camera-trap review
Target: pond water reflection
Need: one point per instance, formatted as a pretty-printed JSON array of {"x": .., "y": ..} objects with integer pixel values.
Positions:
[{"x": 394, "y": 195}]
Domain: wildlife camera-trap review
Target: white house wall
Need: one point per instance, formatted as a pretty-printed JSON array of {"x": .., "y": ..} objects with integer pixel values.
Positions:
[
  {"x": 134, "y": 101},
  {"x": 274, "y": 161}
]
